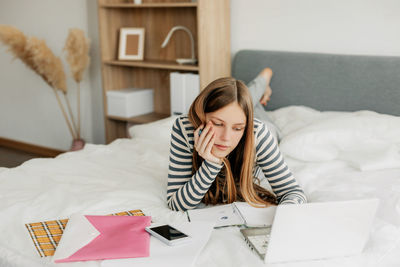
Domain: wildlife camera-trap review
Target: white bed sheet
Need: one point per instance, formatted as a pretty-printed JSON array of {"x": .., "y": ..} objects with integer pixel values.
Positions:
[{"x": 132, "y": 174}]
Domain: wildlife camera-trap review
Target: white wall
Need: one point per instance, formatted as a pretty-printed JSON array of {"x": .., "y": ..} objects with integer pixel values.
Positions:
[
  {"x": 370, "y": 27},
  {"x": 29, "y": 111},
  {"x": 28, "y": 107},
  {"x": 98, "y": 132}
]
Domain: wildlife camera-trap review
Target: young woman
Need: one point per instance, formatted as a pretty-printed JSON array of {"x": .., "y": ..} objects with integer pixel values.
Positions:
[{"x": 218, "y": 149}]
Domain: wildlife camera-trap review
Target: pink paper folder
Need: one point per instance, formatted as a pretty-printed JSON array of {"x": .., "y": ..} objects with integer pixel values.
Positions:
[{"x": 103, "y": 237}]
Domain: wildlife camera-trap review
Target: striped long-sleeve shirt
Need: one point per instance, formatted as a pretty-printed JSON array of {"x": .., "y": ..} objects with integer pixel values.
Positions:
[{"x": 185, "y": 191}]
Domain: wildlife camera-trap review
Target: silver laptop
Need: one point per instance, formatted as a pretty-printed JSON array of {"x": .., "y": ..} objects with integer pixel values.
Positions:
[{"x": 314, "y": 231}]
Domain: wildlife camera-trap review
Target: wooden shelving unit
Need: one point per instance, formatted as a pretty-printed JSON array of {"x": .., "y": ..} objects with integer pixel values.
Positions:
[
  {"x": 153, "y": 64},
  {"x": 208, "y": 20},
  {"x": 151, "y": 5},
  {"x": 141, "y": 119}
]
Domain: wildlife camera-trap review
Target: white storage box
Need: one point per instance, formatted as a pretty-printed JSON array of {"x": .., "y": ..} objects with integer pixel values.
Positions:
[{"x": 130, "y": 102}]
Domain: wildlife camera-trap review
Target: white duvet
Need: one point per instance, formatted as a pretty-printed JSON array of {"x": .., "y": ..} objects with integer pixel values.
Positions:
[{"x": 334, "y": 156}]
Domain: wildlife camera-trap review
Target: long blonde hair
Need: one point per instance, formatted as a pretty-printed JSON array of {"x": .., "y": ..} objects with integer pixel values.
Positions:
[{"x": 235, "y": 182}]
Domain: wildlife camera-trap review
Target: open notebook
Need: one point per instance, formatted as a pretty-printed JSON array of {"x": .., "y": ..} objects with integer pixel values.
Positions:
[{"x": 236, "y": 213}]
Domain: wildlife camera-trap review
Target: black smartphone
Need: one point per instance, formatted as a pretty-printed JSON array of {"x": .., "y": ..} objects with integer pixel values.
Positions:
[{"x": 168, "y": 234}]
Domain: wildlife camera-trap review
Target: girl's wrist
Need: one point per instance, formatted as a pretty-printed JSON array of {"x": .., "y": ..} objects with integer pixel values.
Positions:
[{"x": 217, "y": 161}]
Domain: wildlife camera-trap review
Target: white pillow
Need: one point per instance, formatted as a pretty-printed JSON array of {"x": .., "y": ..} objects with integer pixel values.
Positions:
[
  {"x": 347, "y": 132},
  {"x": 158, "y": 131}
]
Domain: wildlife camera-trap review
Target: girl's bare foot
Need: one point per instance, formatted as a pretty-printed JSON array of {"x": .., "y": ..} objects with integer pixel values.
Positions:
[
  {"x": 267, "y": 96},
  {"x": 267, "y": 74}
]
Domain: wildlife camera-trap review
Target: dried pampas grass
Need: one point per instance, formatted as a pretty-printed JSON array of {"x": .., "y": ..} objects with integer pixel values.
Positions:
[
  {"x": 36, "y": 55},
  {"x": 16, "y": 41},
  {"x": 39, "y": 57},
  {"x": 46, "y": 64},
  {"x": 50, "y": 68},
  {"x": 77, "y": 47}
]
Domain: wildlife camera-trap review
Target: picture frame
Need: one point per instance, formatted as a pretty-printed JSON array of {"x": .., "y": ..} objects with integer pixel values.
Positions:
[{"x": 131, "y": 44}]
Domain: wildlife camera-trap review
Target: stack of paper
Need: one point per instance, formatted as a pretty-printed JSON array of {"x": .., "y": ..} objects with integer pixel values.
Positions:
[{"x": 163, "y": 255}]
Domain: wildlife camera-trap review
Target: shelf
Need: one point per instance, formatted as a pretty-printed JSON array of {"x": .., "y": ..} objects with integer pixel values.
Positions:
[
  {"x": 149, "y": 5},
  {"x": 153, "y": 64},
  {"x": 209, "y": 22},
  {"x": 142, "y": 118}
]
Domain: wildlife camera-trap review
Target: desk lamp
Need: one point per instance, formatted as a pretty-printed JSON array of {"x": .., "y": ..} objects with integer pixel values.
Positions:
[{"x": 192, "y": 60}]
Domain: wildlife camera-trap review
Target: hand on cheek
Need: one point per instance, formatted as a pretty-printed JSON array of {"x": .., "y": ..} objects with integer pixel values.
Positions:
[{"x": 204, "y": 142}]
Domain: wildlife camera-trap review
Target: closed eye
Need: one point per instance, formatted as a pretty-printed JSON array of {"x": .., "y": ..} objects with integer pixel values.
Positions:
[{"x": 217, "y": 124}]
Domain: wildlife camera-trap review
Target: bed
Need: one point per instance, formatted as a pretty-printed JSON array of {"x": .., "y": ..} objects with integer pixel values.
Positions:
[{"x": 340, "y": 123}]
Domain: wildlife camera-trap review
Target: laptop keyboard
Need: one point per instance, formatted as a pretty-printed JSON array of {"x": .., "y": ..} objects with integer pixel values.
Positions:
[
  {"x": 257, "y": 238},
  {"x": 259, "y": 242}
]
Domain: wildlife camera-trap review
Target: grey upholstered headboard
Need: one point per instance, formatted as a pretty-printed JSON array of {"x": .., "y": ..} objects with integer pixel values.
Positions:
[{"x": 326, "y": 81}]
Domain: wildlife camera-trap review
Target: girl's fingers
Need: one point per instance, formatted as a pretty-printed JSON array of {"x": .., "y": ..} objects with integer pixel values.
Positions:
[
  {"x": 204, "y": 132},
  {"x": 197, "y": 133},
  {"x": 209, "y": 148},
  {"x": 206, "y": 141},
  {"x": 210, "y": 144}
]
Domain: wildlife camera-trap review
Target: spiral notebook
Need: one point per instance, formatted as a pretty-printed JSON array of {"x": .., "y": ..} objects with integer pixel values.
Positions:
[{"x": 236, "y": 213}]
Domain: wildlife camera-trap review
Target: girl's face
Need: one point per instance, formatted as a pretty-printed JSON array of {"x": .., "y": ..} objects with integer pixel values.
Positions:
[{"x": 229, "y": 124}]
